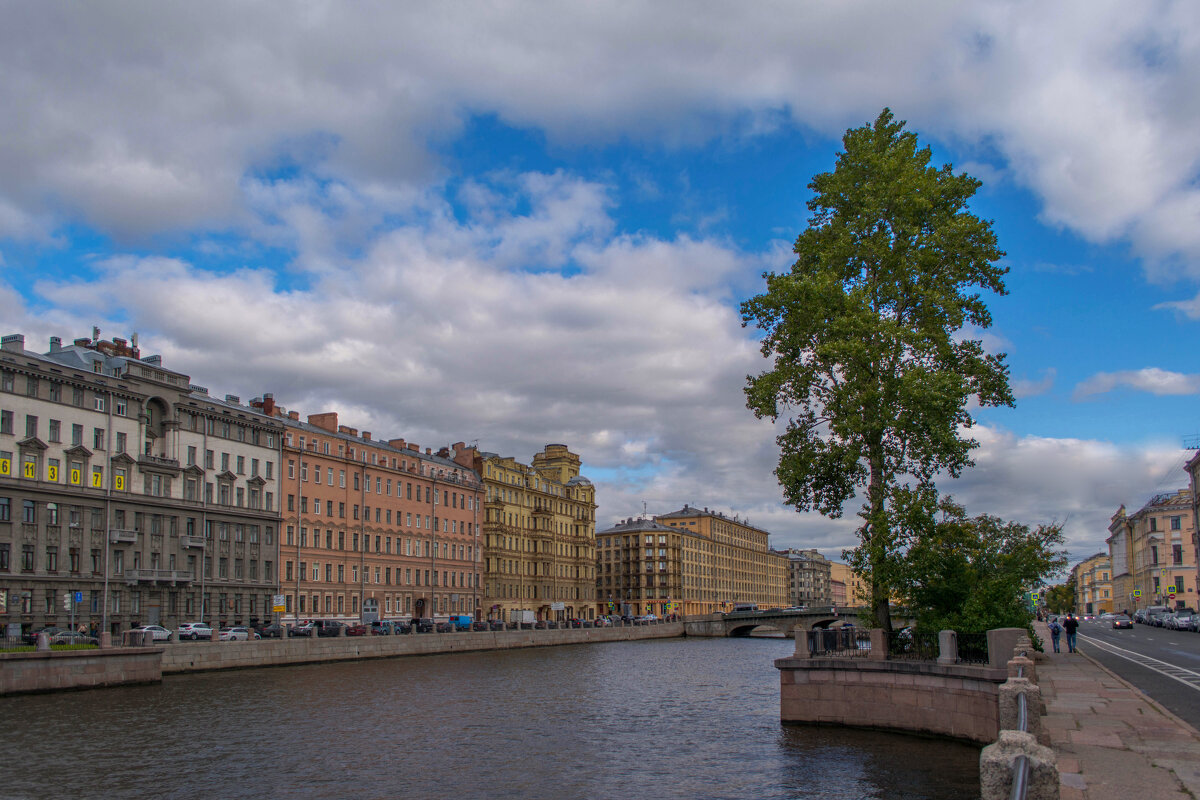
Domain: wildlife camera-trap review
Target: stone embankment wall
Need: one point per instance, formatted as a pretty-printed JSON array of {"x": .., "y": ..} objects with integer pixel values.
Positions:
[
  {"x": 920, "y": 697},
  {"x": 199, "y": 656},
  {"x": 52, "y": 670}
]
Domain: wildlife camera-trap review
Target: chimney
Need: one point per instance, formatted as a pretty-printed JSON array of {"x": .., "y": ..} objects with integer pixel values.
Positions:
[
  {"x": 268, "y": 405},
  {"x": 416, "y": 448},
  {"x": 13, "y": 343},
  {"x": 428, "y": 452},
  {"x": 233, "y": 399},
  {"x": 294, "y": 415},
  {"x": 326, "y": 421},
  {"x": 55, "y": 344},
  {"x": 95, "y": 334},
  {"x": 366, "y": 435},
  {"x": 396, "y": 443}
]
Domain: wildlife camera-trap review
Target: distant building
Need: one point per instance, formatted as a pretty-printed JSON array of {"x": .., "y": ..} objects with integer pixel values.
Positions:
[
  {"x": 1193, "y": 470},
  {"x": 375, "y": 529},
  {"x": 1093, "y": 586},
  {"x": 645, "y": 567},
  {"x": 539, "y": 535},
  {"x": 126, "y": 486},
  {"x": 852, "y": 591},
  {"x": 1155, "y": 550},
  {"x": 743, "y": 567},
  {"x": 808, "y": 578}
]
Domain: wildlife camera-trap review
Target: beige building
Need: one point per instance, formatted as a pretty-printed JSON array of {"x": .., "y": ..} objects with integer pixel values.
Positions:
[
  {"x": 124, "y": 485},
  {"x": 808, "y": 578},
  {"x": 1193, "y": 470},
  {"x": 539, "y": 535},
  {"x": 736, "y": 565},
  {"x": 645, "y": 567},
  {"x": 849, "y": 589},
  {"x": 1152, "y": 553},
  {"x": 1093, "y": 585}
]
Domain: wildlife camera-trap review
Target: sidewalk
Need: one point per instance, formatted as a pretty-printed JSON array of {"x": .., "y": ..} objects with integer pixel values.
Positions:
[{"x": 1111, "y": 741}]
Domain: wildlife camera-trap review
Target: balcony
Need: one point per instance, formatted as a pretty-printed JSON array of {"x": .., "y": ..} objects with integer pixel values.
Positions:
[
  {"x": 122, "y": 536},
  {"x": 191, "y": 541},
  {"x": 147, "y": 461},
  {"x": 171, "y": 576}
]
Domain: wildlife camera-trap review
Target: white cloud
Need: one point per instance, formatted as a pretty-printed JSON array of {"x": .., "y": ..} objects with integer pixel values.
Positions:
[
  {"x": 142, "y": 123},
  {"x": 1030, "y": 388},
  {"x": 1150, "y": 379}
]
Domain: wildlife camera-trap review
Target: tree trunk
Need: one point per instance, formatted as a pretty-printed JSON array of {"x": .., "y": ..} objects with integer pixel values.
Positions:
[{"x": 876, "y": 548}]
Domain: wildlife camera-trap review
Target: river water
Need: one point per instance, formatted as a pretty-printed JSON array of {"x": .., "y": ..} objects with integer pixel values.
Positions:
[{"x": 650, "y": 720}]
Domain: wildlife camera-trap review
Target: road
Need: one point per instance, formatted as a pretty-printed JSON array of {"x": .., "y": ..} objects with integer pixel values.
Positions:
[{"x": 1164, "y": 664}]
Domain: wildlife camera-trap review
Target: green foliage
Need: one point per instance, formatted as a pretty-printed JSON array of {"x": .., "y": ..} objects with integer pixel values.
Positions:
[
  {"x": 870, "y": 365},
  {"x": 1060, "y": 599},
  {"x": 971, "y": 573}
]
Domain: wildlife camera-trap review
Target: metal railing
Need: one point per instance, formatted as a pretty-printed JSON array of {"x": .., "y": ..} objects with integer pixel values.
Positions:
[
  {"x": 842, "y": 642},
  {"x": 972, "y": 648},
  {"x": 912, "y": 645},
  {"x": 1020, "y": 768}
]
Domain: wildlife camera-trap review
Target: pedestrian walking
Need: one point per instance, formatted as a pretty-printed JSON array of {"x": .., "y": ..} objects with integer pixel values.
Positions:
[
  {"x": 1055, "y": 632},
  {"x": 1069, "y": 626}
]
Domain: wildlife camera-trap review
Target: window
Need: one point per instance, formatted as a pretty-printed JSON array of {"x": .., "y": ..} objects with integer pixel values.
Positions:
[
  {"x": 1176, "y": 523},
  {"x": 6, "y": 422},
  {"x": 55, "y": 434},
  {"x": 98, "y": 438},
  {"x": 27, "y": 558},
  {"x": 31, "y": 386},
  {"x": 31, "y": 425},
  {"x": 5, "y": 566},
  {"x": 99, "y": 400},
  {"x": 28, "y": 511},
  {"x": 120, "y": 442}
]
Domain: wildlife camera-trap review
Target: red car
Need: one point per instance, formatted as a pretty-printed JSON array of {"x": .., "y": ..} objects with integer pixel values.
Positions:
[{"x": 357, "y": 629}]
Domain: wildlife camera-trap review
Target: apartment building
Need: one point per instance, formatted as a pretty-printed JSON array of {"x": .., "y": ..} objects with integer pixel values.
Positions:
[
  {"x": 847, "y": 587},
  {"x": 1193, "y": 470},
  {"x": 128, "y": 495},
  {"x": 1093, "y": 585},
  {"x": 374, "y": 529},
  {"x": 539, "y": 535},
  {"x": 1152, "y": 553},
  {"x": 739, "y": 565},
  {"x": 808, "y": 578}
]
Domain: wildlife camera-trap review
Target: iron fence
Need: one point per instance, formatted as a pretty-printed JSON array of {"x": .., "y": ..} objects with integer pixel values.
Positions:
[
  {"x": 972, "y": 648},
  {"x": 841, "y": 642},
  {"x": 912, "y": 645}
]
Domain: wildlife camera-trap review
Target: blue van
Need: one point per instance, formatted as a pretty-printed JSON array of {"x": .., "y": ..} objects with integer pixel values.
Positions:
[{"x": 461, "y": 622}]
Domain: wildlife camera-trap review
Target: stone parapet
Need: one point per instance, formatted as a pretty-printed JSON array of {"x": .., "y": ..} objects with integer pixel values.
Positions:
[
  {"x": 959, "y": 701},
  {"x": 197, "y": 657},
  {"x": 56, "y": 670}
]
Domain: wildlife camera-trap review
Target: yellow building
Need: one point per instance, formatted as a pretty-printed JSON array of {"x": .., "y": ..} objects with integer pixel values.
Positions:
[
  {"x": 1161, "y": 552},
  {"x": 645, "y": 567},
  {"x": 1093, "y": 585},
  {"x": 539, "y": 536},
  {"x": 856, "y": 591},
  {"x": 728, "y": 561}
]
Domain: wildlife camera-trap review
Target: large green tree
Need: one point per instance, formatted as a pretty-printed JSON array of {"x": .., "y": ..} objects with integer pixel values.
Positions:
[{"x": 872, "y": 362}]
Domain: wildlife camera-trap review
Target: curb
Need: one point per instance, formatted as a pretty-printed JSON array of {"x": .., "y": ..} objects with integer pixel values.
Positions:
[{"x": 1149, "y": 701}]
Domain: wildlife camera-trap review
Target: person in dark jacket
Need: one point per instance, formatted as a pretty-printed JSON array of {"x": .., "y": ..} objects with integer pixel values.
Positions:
[
  {"x": 1070, "y": 625},
  {"x": 1055, "y": 632}
]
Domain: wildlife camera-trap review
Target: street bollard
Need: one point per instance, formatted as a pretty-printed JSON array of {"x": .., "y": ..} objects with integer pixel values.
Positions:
[{"x": 43, "y": 642}]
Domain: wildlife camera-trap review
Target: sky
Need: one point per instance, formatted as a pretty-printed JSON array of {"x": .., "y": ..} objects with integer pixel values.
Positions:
[{"x": 523, "y": 223}]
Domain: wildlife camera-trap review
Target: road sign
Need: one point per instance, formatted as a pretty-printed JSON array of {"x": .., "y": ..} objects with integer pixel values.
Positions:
[
  {"x": 280, "y": 603},
  {"x": 67, "y": 601},
  {"x": 79, "y": 597},
  {"x": 1137, "y": 592}
]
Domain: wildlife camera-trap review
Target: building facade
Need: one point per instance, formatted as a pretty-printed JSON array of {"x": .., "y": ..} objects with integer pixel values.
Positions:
[
  {"x": 645, "y": 567},
  {"x": 849, "y": 589},
  {"x": 1093, "y": 585},
  {"x": 1157, "y": 544},
  {"x": 737, "y": 565},
  {"x": 539, "y": 535},
  {"x": 374, "y": 529},
  {"x": 808, "y": 578},
  {"x": 1193, "y": 470},
  {"x": 123, "y": 485}
]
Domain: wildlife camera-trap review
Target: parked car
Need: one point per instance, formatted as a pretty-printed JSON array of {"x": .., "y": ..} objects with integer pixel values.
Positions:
[
  {"x": 445, "y": 627},
  {"x": 357, "y": 629},
  {"x": 237, "y": 633},
  {"x": 1121, "y": 621},
  {"x": 423, "y": 624},
  {"x": 272, "y": 631},
  {"x": 1180, "y": 621},
  {"x": 73, "y": 637},
  {"x": 327, "y": 627},
  {"x": 195, "y": 630},
  {"x": 161, "y": 634},
  {"x": 401, "y": 627},
  {"x": 303, "y": 629},
  {"x": 381, "y": 627},
  {"x": 31, "y": 638},
  {"x": 479, "y": 626},
  {"x": 495, "y": 624}
]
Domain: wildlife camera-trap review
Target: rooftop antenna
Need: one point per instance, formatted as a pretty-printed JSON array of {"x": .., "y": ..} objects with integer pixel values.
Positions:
[{"x": 643, "y": 509}]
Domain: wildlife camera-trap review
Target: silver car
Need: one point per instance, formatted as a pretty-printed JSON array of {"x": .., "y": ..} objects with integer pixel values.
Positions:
[{"x": 195, "y": 630}]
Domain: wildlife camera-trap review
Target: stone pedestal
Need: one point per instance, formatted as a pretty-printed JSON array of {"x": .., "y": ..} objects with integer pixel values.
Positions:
[
  {"x": 105, "y": 639},
  {"x": 1020, "y": 666},
  {"x": 879, "y": 644},
  {"x": 947, "y": 647},
  {"x": 1009, "y": 705},
  {"x": 43, "y": 642},
  {"x": 996, "y": 768}
]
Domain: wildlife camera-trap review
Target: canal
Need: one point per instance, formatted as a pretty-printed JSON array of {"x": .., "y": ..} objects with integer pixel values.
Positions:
[{"x": 676, "y": 718}]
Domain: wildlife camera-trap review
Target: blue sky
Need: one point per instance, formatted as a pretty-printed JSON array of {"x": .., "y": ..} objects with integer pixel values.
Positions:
[{"x": 523, "y": 225}]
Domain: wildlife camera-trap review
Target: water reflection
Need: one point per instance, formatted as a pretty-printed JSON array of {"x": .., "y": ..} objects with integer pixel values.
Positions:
[{"x": 665, "y": 719}]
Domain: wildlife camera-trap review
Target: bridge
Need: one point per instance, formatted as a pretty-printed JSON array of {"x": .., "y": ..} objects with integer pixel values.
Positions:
[{"x": 740, "y": 623}]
